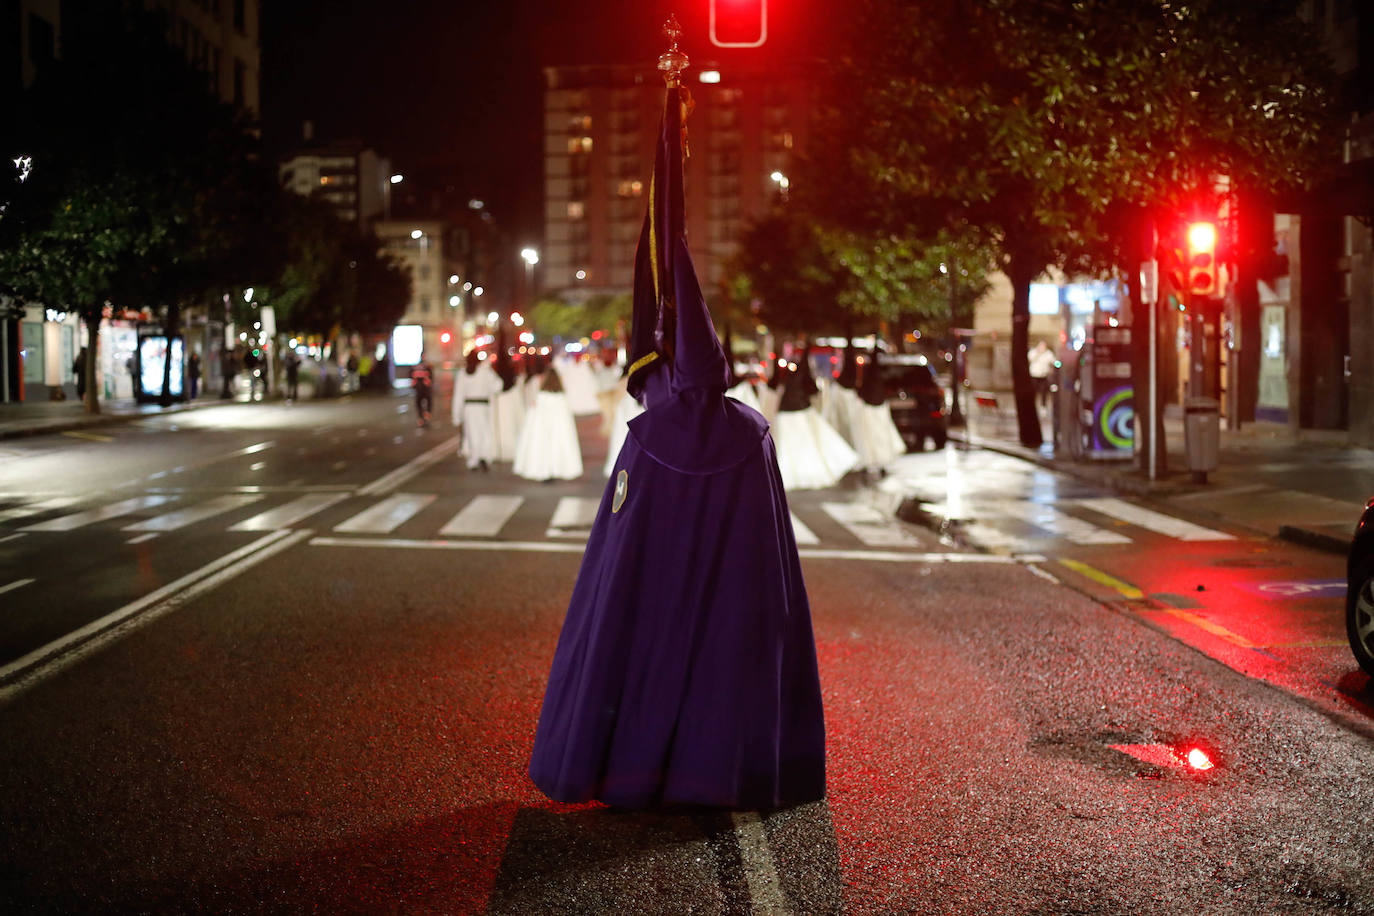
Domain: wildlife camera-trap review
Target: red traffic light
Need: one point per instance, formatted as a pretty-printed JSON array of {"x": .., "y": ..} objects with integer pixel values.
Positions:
[
  {"x": 739, "y": 23},
  {"x": 1202, "y": 258},
  {"x": 446, "y": 338}
]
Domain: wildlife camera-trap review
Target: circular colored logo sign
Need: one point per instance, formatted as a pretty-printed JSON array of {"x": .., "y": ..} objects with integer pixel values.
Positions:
[{"x": 622, "y": 489}]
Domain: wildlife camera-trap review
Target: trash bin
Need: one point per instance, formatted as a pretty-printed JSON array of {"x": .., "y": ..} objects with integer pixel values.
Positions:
[{"x": 1202, "y": 435}]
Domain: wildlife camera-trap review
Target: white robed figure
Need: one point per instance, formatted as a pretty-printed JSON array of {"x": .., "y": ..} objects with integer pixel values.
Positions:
[
  {"x": 508, "y": 416},
  {"x": 474, "y": 386},
  {"x": 548, "y": 448},
  {"x": 840, "y": 404},
  {"x": 875, "y": 435},
  {"x": 811, "y": 455},
  {"x": 579, "y": 386},
  {"x": 626, "y": 409}
]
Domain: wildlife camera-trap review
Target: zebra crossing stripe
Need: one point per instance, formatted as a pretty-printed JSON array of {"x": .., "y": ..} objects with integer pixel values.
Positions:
[
  {"x": 189, "y": 516},
  {"x": 803, "y": 534},
  {"x": 1154, "y": 521},
  {"x": 286, "y": 515},
  {"x": 573, "y": 518},
  {"x": 1050, "y": 519},
  {"x": 485, "y": 516},
  {"x": 91, "y": 516},
  {"x": 18, "y": 512},
  {"x": 871, "y": 527},
  {"x": 387, "y": 515}
]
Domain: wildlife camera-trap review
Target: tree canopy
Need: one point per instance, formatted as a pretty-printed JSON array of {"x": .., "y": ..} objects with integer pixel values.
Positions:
[{"x": 1038, "y": 128}]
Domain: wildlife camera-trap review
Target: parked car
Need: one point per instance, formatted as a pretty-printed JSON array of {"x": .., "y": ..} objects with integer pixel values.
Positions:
[
  {"x": 1359, "y": 594},
  {"x": 916, "y": 399}
]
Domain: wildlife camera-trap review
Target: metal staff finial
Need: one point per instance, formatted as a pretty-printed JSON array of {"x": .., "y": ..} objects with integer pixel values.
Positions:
[{"x": 672, "y": 62}]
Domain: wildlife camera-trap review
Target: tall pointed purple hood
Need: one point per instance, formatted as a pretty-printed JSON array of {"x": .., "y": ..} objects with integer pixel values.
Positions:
[{"x": 671, "y": 326}]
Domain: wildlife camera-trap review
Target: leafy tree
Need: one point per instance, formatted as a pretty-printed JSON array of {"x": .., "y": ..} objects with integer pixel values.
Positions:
[
  {"x": 142, "y": 183},
  {"x": 1040, "y": 127},
  {"x": 575, "y": 320}
]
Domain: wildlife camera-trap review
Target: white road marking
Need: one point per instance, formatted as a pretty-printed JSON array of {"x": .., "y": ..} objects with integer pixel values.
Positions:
[
  {"x": 60, "y": 502},
  {"x": 803, "y": 534},
  {"x": 387, "y": 515},
  {"x": 257, "y": 465},
  {"x": 17, "y": 583},
  {"x": 173, "y": 521},
  {"x": 47, "y": 660},
  {"x": 253, "y": 449},
  {"x": 285, "y": 516},
  {"x": 1050, "y": 519},
  {"x": 1154, "y": 521},
  {"x": 882, "y": 556},
  {"x": 573, "y": 518},
  {"x": 760, "y": 872},
  {"x": 142, "y": 538},
  {"x": 13, "y": 537},
  {"x": 485, "y": 516},
  {"x": 91, "y": 516},
  {"x": 407, "y": 544},
  {"x": 871, "y": 527},
  {"x": 393, "y": 479}
]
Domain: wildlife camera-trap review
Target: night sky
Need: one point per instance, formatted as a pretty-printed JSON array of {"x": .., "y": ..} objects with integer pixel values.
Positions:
[{"x": 457, "y": 85}]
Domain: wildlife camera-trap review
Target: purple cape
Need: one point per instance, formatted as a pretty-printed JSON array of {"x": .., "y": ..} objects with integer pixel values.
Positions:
[{"x": 686, "y": 669}]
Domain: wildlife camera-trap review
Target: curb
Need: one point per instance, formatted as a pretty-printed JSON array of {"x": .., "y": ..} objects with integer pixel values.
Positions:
[{"x": 1317, "y": 540}]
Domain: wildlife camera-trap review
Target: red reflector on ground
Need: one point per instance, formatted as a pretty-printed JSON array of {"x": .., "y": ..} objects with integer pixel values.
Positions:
[
  {"x": 1198, "y": 759},
  {"x": 1166, "y": 755}
]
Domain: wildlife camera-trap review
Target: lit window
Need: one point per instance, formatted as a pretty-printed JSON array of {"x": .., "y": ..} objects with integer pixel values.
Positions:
[
  {"x": 787, "y": 139},
  {"x": 581, "y": 275},
  {"x": 579, "y": 144},
  {"x": 636, "y": 188},
  {"x": 576, "y": 209},
  {"x": 325, "y": 179}
]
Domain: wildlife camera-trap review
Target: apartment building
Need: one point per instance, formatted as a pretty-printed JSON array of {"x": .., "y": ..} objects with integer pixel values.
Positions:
[{"x": 600, "y": 126}]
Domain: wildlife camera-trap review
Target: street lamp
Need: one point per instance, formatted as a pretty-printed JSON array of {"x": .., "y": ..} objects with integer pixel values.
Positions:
[
  {"x": 531, "y": 258},
  {"x": 782, "y": 182},
  {"x": 386, "y": 193}
]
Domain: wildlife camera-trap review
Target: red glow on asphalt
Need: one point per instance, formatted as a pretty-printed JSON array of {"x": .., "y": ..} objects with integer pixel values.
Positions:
[{"x": 1197, "y": 759}]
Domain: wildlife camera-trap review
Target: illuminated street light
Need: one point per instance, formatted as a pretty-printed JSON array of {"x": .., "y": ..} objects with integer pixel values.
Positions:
[
  {"x": 248, "y": 294},
  {"x": 477, "y": 290},
  {"x": 454, "y": 300},
  {"x": 467, "y": 287},
  {"x": 416, "y": 233},
  {"x": 530, "y": 255},
  {"x": 782, "y": 182},
  {"x": 397, "y": 178},
  {"x": 452, "y": 279},
  {"x": 492, "y": 317},
  {"x": 517, "y": 319},
  {"x": 581, "y": 275}
]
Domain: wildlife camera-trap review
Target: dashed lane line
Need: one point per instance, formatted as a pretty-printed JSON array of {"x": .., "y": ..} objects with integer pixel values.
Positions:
[
  {"x": 391, "y": 480},
  {"x": 49, "y": 659},
  {"x": 766, "y": 894},
  {"x": 17, "y": 583}
]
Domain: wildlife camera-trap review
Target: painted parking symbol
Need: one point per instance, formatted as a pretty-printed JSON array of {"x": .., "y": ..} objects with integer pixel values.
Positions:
[{"x": 1308, "y": 588}]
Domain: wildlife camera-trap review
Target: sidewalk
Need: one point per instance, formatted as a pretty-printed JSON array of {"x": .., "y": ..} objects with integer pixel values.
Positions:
[
  {"x": 41, "y": 418},
  {"x": 1308, "y": 488}
]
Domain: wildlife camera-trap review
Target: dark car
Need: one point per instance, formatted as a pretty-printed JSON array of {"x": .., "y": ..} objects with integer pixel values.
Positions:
[
  {"x": 916, "y": 399},
  {"x": 1359, "y": 594}
]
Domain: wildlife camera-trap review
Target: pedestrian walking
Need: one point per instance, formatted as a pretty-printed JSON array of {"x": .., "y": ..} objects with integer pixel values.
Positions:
[
  {"x": 229, "y": 368},
  {"x": 79, "y": 371},
  {"x": 193, "y": 373},
  {"x": 252, "y": 364},
  {"x": 686, "y": 669},
  {"x": 548, "y": 447},
  {"x": 422, "y": 378},
  {"x": 1041, "y": 359},
  {"x": 351, "y": 367},
  {"x": 473, "y": 391},
  {"x": 292, "y": 365}
]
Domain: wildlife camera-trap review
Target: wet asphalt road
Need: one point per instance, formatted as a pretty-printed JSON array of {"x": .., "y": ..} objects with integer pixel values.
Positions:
[{"x": 340, "y": 721}]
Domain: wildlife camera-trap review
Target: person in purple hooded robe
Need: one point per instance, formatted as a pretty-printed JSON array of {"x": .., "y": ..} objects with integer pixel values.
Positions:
[{"x": 686, "y": 670}]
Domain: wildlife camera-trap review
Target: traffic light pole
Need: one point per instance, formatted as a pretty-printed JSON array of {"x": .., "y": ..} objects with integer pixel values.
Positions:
[{"x": 1153, "y": 421}]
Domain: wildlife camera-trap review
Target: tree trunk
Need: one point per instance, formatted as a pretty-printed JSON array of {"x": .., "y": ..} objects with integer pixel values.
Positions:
[
  {"x": 1021, "y": 270},
  {"x": 92, "y": 400}
]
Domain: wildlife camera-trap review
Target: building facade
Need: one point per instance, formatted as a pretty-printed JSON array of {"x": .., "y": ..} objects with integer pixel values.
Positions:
[
  {"x": 600, "y": 127},
  {"x": 39, "y": 344},
  {"x": 351, "y": 178},
  {"x": 418, "y": 245}
]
